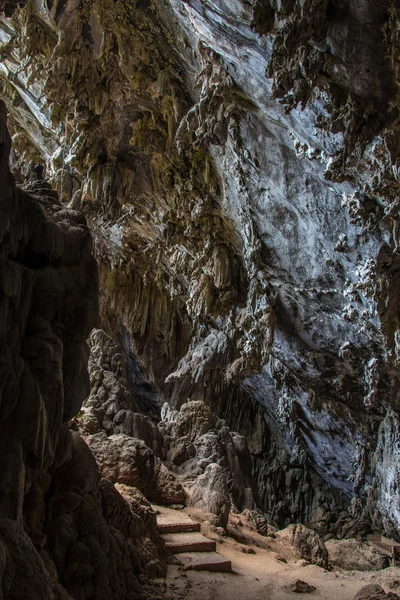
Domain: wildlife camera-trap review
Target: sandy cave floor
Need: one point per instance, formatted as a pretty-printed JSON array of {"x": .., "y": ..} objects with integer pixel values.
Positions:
[{"x": 261, "y": 576}]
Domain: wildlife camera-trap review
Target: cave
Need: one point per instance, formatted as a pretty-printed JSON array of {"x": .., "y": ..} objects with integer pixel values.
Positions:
[{"x": 199, "y": 299}]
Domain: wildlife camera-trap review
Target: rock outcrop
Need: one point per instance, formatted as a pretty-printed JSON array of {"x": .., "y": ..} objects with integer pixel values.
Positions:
[
  {"x": 190, "y": 456},
  {"x": 129, "y": 461},
  {"x": 238, "y": 166},
  {"x": 214, "y": 463},
  {"x": 115, "y": 404}
]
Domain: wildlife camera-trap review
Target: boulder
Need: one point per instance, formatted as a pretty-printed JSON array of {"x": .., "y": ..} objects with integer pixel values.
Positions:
[
  {"x": 257, "y": 521},
  {"x": 195, "y": 419},
  {"x": 138, "y": 504},
  {"x": 354, "y": 556},
  {"x": 304, "y": 543},
  {"x": 374, "y": 592}
]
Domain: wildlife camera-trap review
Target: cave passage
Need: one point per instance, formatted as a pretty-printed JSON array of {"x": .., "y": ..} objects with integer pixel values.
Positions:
[{"x": 199, "y": 300}]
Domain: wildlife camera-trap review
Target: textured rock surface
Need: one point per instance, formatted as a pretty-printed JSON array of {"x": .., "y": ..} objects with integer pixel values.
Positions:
[
  {"x": 352, "y": 555},
  {"x": 214, "y": 463},
  {"x": 114, "y": 404},
  {"x": 64, "y": 533},
  {"x": 375, "y": 592},
  {"x": 129, "y": 461},
  {"x": 306, "y": 543},
  {"x": 241, "y": 186},
  {"x": 210, "y": 492},
  {"x": 302, "y": 587}
]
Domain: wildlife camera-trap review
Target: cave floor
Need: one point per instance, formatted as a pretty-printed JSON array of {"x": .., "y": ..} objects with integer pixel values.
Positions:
[{"x": 260, "y": 576}]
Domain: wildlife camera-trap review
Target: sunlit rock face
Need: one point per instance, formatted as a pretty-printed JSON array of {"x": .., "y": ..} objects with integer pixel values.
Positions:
[{"x": 237, "y": 164}]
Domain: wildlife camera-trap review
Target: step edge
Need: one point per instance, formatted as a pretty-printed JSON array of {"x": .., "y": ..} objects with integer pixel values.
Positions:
[{"x": 190, "y": 549}]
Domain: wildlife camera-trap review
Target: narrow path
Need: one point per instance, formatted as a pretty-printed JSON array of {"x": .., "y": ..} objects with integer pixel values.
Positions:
[
  {"x": 183, "y": 538},
  {"x": 257, "y": 573}
]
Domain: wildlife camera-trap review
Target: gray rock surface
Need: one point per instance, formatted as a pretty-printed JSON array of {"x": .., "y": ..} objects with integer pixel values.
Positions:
[
  {"x": 114, "y": 405},
  {"x": 214, "y": 463},
  {"x": 210, "y": 492}
]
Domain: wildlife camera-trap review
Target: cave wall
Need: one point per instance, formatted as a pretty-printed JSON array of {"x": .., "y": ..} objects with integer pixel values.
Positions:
[
  {"x": 237, "y": 164},
  {"x": 64, "y": 531}
]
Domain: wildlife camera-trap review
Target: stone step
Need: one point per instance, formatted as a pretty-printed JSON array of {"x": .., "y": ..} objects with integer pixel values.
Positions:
[
  {"x": 205, "y": 561},
  {"x": 174, "y": 521},
  {"x": 178, "y": 527},
  {"x": 188, "y": 542}
]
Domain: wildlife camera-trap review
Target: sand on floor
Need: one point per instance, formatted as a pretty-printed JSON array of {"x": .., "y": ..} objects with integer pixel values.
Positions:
[{"x": 261, "y": 576}]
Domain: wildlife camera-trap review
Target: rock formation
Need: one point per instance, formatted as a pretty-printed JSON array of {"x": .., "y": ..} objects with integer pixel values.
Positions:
[
  {"x": 64, "y": 531},
  {"x": 307, "y": 544},
  {"x": 351, "y": 555},
  {"x": 374, "y": 592},
  {"x": 189, "y": 457},
  {"x": 237, "y": 164}
]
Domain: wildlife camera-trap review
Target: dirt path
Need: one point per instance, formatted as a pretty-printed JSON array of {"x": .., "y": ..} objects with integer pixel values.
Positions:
[{"x": 261, "y": 576}]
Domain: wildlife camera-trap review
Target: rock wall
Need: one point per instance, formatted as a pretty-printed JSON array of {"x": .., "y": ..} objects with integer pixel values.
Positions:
[
  {"x": 64, "y": 531},
  {"x": 237, "y": 163}
]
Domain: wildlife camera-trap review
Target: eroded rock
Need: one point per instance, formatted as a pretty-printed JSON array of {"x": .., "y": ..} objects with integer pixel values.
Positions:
[
  {"x": 374, "y": 592},
  {"x": 353, "y": 555},
  {"x": 213, "y": 462},
  {"x": 210, "y": 492},
  {"x": 128, "y": 461},
  {"x": 63, "y": 534},
  {"x": 305, "y": 544}
]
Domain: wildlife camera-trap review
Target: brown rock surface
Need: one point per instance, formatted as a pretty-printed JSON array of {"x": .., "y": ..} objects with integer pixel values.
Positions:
[
  {"x": 353, "y": 555},
  {"x": 128, "y": 461},
  {"x": 305, "y": 544},
  {"x": 374, "y": 592}
]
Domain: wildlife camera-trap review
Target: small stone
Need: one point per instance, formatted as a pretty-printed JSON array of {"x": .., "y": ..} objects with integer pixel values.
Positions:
[
  {"x": 247, "y": 550},
  {"x": 302, "y": 587},
  {"x": 281, "y": 558}
]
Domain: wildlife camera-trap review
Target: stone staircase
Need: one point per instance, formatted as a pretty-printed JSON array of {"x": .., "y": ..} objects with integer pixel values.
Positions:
[{"x": 183, "y": 538}]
